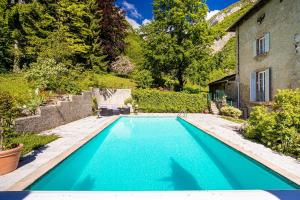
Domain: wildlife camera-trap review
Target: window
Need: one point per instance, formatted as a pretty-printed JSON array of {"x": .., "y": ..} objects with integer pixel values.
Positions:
[
  {"x": 262, "y": 45},
  {"x": 260, "y": 86}
]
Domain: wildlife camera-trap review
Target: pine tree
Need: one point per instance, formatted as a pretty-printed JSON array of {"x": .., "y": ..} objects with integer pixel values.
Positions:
[
  {"x": 5, "y": 39},
  {"x": 74, "y": 20},
  {"x": 97, "y": 58},
  {"x": 30, "y": 25}
]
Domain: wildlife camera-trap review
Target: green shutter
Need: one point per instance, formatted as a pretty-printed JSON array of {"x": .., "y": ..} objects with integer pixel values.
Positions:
[
  {"x": 254, "y": 48},
  {"x": 267, "y": 42},
  {"x": 268, "y": 84},
  {"x": 253, "y": 86}
]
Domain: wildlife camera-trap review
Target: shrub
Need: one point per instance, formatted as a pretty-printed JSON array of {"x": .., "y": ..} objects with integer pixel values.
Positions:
[
  {"x": 192, "y": 89},
  {"x": 231, "y": 112},
  {"x": 128, "y": 101},
  {"x": 7, "y": 114},
  {"x": 143, "y": 78},
  {"x": 34, "y": 103},
  {"x": 31, "y": 141},
  {"x": 278, "y": 127},
  {"x": 46, "y": 74},
  {"x": 69, "y": 87},
  {"x": 172, "y": 102},
  {"x": 122, "y": 66}
]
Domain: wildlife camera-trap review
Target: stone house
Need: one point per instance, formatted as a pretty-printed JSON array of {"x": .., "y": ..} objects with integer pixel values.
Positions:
[{"x": 268, "y": 56}]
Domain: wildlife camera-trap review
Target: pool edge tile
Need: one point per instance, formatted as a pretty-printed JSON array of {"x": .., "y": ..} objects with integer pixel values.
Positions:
[
  {"x": 31, "y": 178},
  {"x": 289, "y": 175}
]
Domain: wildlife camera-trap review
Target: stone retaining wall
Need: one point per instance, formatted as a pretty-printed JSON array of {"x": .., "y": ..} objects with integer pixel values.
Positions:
[{"x": 79, "y": 106}]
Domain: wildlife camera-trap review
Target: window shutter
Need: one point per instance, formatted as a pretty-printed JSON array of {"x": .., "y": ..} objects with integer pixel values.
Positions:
[
  {"x": 268, "y": 84},
  {"x": 254, "y": 48},
  {"x": 267, "y": 42},
  {"x": 253, "y": 86}
]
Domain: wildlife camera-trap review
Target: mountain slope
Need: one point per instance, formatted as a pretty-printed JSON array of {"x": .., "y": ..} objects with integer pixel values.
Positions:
[
  {"x": 225, "y": 18},
  {"x": 224, "y": 48}
]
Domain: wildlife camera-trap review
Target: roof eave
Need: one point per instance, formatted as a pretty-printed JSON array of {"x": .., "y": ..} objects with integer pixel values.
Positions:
[{"x": 257, "y": 6}]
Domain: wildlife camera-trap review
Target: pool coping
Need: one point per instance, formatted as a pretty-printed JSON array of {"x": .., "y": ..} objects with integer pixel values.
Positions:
[
  {"x": 162, "y": 195},
  {"x": 290, "y": 176},
  {"x": 31, "y": 178}
]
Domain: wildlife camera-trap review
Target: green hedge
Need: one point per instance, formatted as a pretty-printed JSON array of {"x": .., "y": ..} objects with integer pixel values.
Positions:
[{"x": 155, "y": 101}]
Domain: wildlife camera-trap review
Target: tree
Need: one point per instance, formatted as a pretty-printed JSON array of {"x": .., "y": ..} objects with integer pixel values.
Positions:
[
  {"x": 97, "y": 57},
  {"x": 177, "y": 40},
  {"x": 29, "y": 25},
  {"x": 74, "y": 21},
  {"x": 122, "y": 66},
  {"x": 134, "y": 49},
  {"x": 5, "y": 39},
  {"x": 113, "y": 29}
]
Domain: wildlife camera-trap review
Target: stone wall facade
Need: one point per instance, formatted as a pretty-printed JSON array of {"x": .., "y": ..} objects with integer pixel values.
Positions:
[
  {"x": 282, "y": 21},
  {"x": 78, "y": 107}
]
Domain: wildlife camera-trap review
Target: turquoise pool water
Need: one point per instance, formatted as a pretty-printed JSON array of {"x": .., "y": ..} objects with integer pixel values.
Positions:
[{"x": 158, "y": 153}]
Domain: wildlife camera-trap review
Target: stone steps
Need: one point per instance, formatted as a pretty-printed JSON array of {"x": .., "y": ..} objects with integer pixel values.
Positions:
[{"x": 214, "y": 109}]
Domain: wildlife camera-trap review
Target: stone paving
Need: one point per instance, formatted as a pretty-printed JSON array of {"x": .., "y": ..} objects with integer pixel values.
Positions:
[{"x": 71, "y": 134}]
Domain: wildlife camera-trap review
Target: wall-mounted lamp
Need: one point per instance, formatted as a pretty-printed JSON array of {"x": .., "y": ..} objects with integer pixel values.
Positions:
[{"x": 297, "y": 43}]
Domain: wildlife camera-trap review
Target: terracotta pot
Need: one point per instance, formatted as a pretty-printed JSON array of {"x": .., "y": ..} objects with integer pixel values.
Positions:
[{"x": 9, "y": 159}]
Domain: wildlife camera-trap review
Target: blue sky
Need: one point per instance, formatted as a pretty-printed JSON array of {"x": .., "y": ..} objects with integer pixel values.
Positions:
[{"x": 140, "y": 11}]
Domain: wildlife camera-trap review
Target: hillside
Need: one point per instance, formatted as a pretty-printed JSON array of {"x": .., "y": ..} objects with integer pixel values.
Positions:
[
  {"x": 225, "y": 18},
  {"x": 224, "y": 48}
]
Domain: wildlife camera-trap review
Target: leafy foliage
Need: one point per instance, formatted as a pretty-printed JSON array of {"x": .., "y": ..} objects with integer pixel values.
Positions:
[
  {"x": 7, "y": 114},
  {"x": 278, "y": 127},
  {"x": 231, "y": 112},
  {"x": 31, "y": 141},
  {"x": 46, "y": 74},
  {"x": 159, "y": 101},
  {"x": 134, "y": 50},
  {"x": 122, "y": 66},
  {"x": 113, "y": 29},
  {"x": 177, "y": 40},
  {"x": 143, "y": 78},
  {"x": 17, "y": 86},
  {"x": 81, "y": 34},
  {"x": 5, "y": 40}
]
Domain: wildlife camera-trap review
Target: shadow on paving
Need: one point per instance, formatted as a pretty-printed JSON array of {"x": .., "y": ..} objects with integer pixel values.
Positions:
[
  {"x": 286, "y": 194},
  {"x": 32, "y": 156},
  {"x": 14, "y": 195}
]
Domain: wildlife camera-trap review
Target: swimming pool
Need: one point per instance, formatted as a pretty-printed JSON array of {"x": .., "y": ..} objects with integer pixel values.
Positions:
[{"x": 158, "y": 154}]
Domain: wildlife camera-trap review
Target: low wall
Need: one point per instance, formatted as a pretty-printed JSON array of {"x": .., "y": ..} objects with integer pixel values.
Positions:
[{"x": 79, "y": 106}]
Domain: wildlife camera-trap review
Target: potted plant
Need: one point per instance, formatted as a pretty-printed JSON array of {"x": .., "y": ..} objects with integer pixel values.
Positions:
[{"x": 9, "y": 154}]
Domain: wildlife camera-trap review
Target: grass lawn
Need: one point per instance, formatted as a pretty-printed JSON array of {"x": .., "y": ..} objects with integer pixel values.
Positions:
[
  {"x": 239, "y": 121},
  {"x": 104, "y": 81},
  {"x": 18, "y": 87},
  {"x": 31, "y": 141}
]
